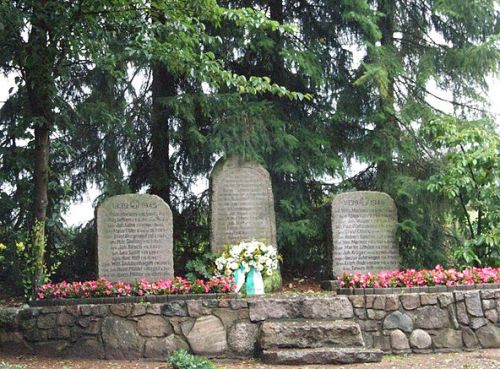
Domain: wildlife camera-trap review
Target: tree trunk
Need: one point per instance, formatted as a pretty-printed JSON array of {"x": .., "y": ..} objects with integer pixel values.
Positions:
[
  {"x": 163, "y": 87},
  {"x": 386, "y": 103},
  {"x": 40, "y": 87}
]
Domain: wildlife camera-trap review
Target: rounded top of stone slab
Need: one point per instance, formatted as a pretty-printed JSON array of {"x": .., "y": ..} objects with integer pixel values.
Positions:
[
  {"x": 366, "y": 196},
  {"x": 131, "y": 198},
  {"x": 234, "y": 161}
]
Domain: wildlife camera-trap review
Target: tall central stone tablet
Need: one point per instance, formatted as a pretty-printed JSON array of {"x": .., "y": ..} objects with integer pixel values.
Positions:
[
  {"x": 242, "y": 205},
  {"x": 134, "y": 238},
  {"x": 364, "y": 233}
]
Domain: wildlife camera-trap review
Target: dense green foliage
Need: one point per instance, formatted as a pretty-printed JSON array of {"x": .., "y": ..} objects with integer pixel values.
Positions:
[
  {"x": 183, "y": 360},
  {"x": 147, "y": 95}
]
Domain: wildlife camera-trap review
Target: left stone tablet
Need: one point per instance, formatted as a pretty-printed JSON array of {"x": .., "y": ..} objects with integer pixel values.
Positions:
[{"x": 134, "y": 238}]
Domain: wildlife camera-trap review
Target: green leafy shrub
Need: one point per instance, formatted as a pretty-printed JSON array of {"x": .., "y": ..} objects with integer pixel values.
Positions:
[
  {"x": 183, "y": 360},
  {"x": 202, "y": 267},
  {"x": 10, "y": 366}
]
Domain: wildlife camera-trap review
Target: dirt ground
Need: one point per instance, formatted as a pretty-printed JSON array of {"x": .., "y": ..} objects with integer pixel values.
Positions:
[{"x": 485, "y": 359}]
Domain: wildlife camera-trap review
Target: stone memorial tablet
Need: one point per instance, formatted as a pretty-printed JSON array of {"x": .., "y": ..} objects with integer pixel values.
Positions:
[
  {"x": 364, "y": 233},
  {"x": 134, "y": 238},
  {"x": 242, "y": 205}
]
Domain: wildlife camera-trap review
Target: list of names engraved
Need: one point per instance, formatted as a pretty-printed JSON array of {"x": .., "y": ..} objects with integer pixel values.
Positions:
[
  {"x": 242, "y": 204},
  {"x": 364, "y": 233},
  {"x": 134, "y": 238}
]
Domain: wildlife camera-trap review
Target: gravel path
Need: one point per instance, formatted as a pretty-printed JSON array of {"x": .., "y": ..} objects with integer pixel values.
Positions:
[{"x": 485, "y": 359}]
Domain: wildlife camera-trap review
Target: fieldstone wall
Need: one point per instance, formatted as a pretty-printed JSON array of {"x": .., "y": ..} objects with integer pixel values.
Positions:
[{"x": 233, "y": 327}]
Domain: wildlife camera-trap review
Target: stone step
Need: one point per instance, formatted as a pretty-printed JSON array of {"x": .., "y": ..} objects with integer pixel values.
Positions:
[
  {"x": 323, "y": 355},
  {"x": 309, "y": 334}
]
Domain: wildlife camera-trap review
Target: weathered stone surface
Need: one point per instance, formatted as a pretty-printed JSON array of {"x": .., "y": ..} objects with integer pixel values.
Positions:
[
  {"x": 327, "y": 308},
  {"x": 473, "y": 303},
  {"x": 360, "y": 313},
  {"x": 357, "y": 301},
  {"x": 139, "y": 310},
  {"x": 476, "y": 323},
  {"x": 428, "y": 299},
  {"x": 153, "y": 326},
  {"x": 58, "y": 333},
  {"x": 208, "y": 336},
  {"x": 369, "y": 301},
  {"x": 47, "y": 321},
  {"x": 431, "y": 317},
  {"x": 392, "y": 303},
  {"x": 491, "y": 315},
  {"x": 370, "y": 325},
  {"x": 322, "y": 356},
  {"x": 364, "y": 232},
  {"x": 397, "y": 320},
  {"x": 489, "y": 336},
  {"x": 448, "y": 339},
  {"x": 51, "y": 309},
  {"x": 237, "y": 304},
  {"x": 242, "y": 205},
  {"x": 8, "y": 318},
  {"x": 382, "y": 342},
  {"x": 243, "y": 338},
  {"x": 445, "y": 299},
  {"x": 122, "y": 310},
  {"x": 420, "y": 339},
  {"x": 134, "y": 238},
  {"x": 488, "y": 294},
  {"x": 73, "y": 310},
  {"x": 195, "y": 308},
  {"x": 85, "y": 348},
  {"x": 399, "y": 342},
  {"x": 51, "y": 348},
  {"x": 226, "y": 315},
  {"x": 262, "y": 309},
  {"x": 186, "y": 325},
  {"x": 160, "y": 348},
  {"x": 65, "y": 319},
  {"x": 13, "y": 343},
  {"x": 462, "y": 316},
  {"x": 175, "y": 308},
  {"x": 379, "y": 303},
  {"x": 375, "y": 314},
  {"x": 121, "y": 340},
  {"x": 96, "y": 310},
  {"x": 489, "y": 304},
  {"x": 410, "y": 302},
  {"x": 469, "y": 338},
  {"x": 154, "y": 309},
  {"x": 452, "y": 315},
  {"x": 90, "y": 324},
  {"x": 309, "y": 333}
]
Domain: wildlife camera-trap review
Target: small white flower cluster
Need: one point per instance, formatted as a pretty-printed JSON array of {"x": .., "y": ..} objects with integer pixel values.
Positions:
[{"x": 255, "y": 254}]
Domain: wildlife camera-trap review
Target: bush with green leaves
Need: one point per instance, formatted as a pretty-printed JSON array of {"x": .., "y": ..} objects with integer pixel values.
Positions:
[
  {"x": 4, "y": 365},
  {"x": 468, "y": 175},
  {"x": 184, "y": 360}
]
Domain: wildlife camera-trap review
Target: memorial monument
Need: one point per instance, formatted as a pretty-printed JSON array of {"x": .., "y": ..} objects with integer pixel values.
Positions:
[
  {"x": 364, "y": 233},
  {"x": 134, "y": 238},
  {"x": 242, "y": 205}
]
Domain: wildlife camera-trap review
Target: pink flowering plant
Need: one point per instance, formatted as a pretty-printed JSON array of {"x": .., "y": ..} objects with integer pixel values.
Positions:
[
  {"x": 420, "y": 278},
  {"x": 105, "y": 288}
]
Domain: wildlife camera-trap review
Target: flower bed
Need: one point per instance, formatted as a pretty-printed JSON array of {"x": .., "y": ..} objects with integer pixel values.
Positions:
[
  {"x": 103, "y": 288},
  {"x": 421, "y": 278}
]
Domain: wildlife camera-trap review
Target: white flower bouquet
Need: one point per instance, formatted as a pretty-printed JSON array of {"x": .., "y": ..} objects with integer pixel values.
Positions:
[{"x": 264, "y": 258}]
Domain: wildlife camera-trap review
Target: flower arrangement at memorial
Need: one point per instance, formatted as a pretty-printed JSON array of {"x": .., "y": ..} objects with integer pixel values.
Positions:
[
  {"x": 421, "y": 278},
  {"x": 247, "y": 262},
  {"x": 105, "y": 288},
  {"x": 245, "y": 255}
]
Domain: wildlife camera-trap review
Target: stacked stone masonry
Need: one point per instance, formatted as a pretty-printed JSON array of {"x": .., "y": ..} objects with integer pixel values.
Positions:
[{"x": 420, "y": 323}]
